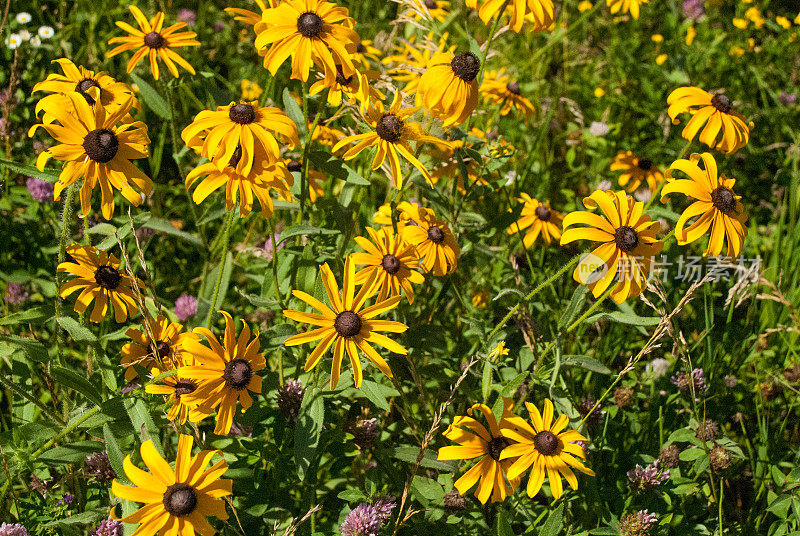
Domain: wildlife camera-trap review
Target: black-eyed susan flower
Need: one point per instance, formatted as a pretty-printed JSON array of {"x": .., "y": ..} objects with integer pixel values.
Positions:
[
  {"x": 635, "y": 171},
  {"x": 499, "y": 89},
  {"x": 435, "y": 243},
  {"x": 725, "y": 129},
  {"x": 263, "y": 177},
  {"x": 250, "y": 90},
  {"x": 355, "y": 88},
  {"x": 347, "y": 325},
  {"x": 544, "y": 446},
  {"x": 715, "y": 206},
  {"x": 316, "y": 179},
  {"x": 539, "y": 220},
  {"x": 250, "y": 17},
  {"x": 111, "y": 94},
  {"x": 406, "y": 213},
  {"x": 312, "y": 32},
  {"x": 628, "y": 239},
  {"x": 176, "y": 389},
  {"x": 451, "y": 167},
  {"x": 391, "y": 136},
  {"x": 224, "y": 373},
  {"x": 154, "y": 41},
  {"x": 96, "y": 147},
  {"x": 409, "y": 60},
  {"x": 366, "y": 52},
  {"x": 540, "y": 12},
  {"x": 325, "y": 134},
  {"x": 244, "y": 128},
  {"x": 449, "y": 86},
  {"x": 626, "y": 6},
  {"x": 391, "y": 263},
  {"x": 100, "y": 281},
  {"x": 176, "y": 501},
  {"x": 474, "y": 441},
  {"x": 170, "y": 346},
  {"x": 429, "y": 10}
]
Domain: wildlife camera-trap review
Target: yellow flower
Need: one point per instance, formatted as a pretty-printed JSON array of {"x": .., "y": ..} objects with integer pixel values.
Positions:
[
  {"x": 365, "y": 52},
  {"x": 100, "y": 280},
  {"x": 783, "y": 22},
  {"x": 499, "y": 89},
  {"x": 435, "y": 243},
  {"x": 625, "y": 6},
  {"x": 407, "y": 213},
  {"x": 740, "y": 23},
  {"x": 498, "y": 351},
  {"x": 312, "y": 32},
  {"x": 326, "y": 135},
  {"x": 170, "y": 344},
  {"x": 715, "y": 206},
  {"x": 176, "y": 501},
  {"x": 155, "y": 42},
  {"x": 657, "y": 38},
  {"x": 392, "y": 134},
  {"x": 636, "y": 170},
  {"x": 251, "y": 90},
  {"x": 240, "y": 128},
  {"x": 599, "y": 92},
  {"x": 691, "y": 33},
  {"x": 410, "y": 59},
  {"x": 584, "y": 5},
  {"x": 736, "y": 51},
  {"x": 449, "y": 88},
  {"x": 356, "y": 87},
  {"x": 96, "y": 147},
  {"x": 348, "y": 326},
  {"x": 481, "y": 298},
  {"x": 224, "y": 374},
  {"x": 754, "y": 14},
  {"x": 177, "y": 391},
  {"x": 540, "y": 11},
  {"x": 77, "y": 79},
  {"x": 250, "y": 17},
  {"x": 475, "y": 441},
  {"x": 545, "y": 447},
  {"x": 429, "y": 9},
  {"x": 628, "y": 244},
  {"x": 661, "y": 58},
  {"x": 722, "y": 122},
  {"x": 391, "y": 264},
  {"x": 539, "y": 219}
]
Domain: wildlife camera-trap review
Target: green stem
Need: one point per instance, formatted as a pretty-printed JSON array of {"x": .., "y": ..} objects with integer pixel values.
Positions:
[
  {"x": 66, "y": 225},
  {"x": 11, "y": 386},
  {"x": 275, "y": 263},
  {"x": 226, "y": 231}
]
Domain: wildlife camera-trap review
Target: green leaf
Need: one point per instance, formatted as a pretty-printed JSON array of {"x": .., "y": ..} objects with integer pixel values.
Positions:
[
  {"x": 575, "y": 304},
  {"x": 31, "y": 347},
  {"x": 76, "y": 382},
  {"x": 306, "y": 433},
  {"x": 585, "y": 362},
  {"x": 258, "y": 301},
  {"x": 75, "y": 452},
  {"x": 554, "y": 523},
  {"x": 163, "y": 226},
  {"x": 294, "y": 112},
  {"x": 303, "y": 229},
  {"x": 114, "y": 451},
  {"x": 486, "y": 379},
  {"x": 227, "y": 270},
  {"x": 624, "y": 318},
  {"x": 336, "y": 168},
  {"x": 75, "y": 330},
  {"x": 352, "y": 495},
  {"x": 681, "y": 435},
  {"x": 511, "y": 386},
  {"x": 151, "y": 98},
  {"x": 377, "y": 394},
  {"x": 142, "y": 422},
  {"x": 49, "y": 175},
  {"x": 408, "y": 453},
  {"x": 503, "y": 524},
  {"x": 33, "y": 315},
  {"x": 691, "y": 454}
]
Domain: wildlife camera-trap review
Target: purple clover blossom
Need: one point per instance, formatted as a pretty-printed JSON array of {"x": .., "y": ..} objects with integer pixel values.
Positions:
[
  {"x": 640, "y": 523},
  {"x": 41, "y": 191},
  {"x": 108, "y": 527},
  {"x": 66, "y": 500},
  {"x": 647, "y": 478},
  {"x": 268, "y": 245},
  {"x": 787, "y": 99},
  {"x": 16, "y": 294},
  {"x": 188, "y": 16},
  {"x": 684, "y": 382},
  {"x": 13, "y": 529},
  {"x": 693, "y": 9},
  {"x": 290, "y": 398},
  {"x": 185, "y": 307},
  {"x": 384, "y": 506},
  {"x": 98, "y": 467},
  {"x": 219, "y": 26},
  {"x": 363, "y": 520}
]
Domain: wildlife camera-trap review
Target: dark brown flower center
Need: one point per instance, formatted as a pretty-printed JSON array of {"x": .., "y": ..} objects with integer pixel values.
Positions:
[
  {"x": 513, "y": 87},
  {"x": 294, "y": 165},
  {"x": 430, "y": 4},
  {"x": 391, "y": 264},
  {"x": 496, "y": 446},
  {"x": 309, "y": 25},
  {"x": 723, "y": 199},
  {"x": 235, "y": 157},
  {"x": 360, "y": 48},
  {"x": 435, "y": 235},
  {"x": 184, "y": 387},
  {"x": 721, "y": 103},
  {"x": 101, "y": 145},
  {"x": 83, "y": 86},
  {"x": 180, "y": 500},
  {"x": 341, "y": 79},
  {"x": 237, "y": 374},
  {"x": 390, "y": 128},
  {"x": 626, "y": 238},
  {"x": 242, "y": 113},
  {"x": 644, "y": 164},
  {"x": 154, "y": 40},
  {"x": 107, "y": 277},
  {"x": 543, "y": 213},
  {"x": 466, "y": 66},
  {"x": 546, "y": 443},
  {"x": 347, "y": 324},
  {"x": 162, "y": 348}
]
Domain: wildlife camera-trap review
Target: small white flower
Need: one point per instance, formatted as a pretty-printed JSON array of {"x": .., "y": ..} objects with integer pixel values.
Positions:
[
  {"x": 658, "y": 366},
  {"x": 643, "y": 194},
  {"x": 35, "y": 41},
  {"x": 23, "y": 18},
  {"x": 13, "y": 41},
  {"x": 24, "y": 35},
  {"x": 510, "y": 177},
  {"x": 605, "y": 185},
  {"x": 598, "y": 129},
  {"x": 46, "y": 32}
]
